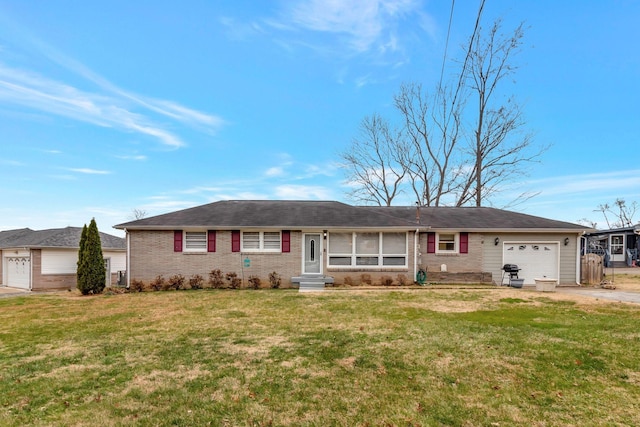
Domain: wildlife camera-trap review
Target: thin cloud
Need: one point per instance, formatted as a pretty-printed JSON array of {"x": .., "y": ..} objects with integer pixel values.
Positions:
[
  {"x": 303, "y": 192},
  {"x": 40, "y": 93},
  {"x": 88, "y": 171},
  {"x": 109, "y": 106},
  {"x": 365, "y": 25}
]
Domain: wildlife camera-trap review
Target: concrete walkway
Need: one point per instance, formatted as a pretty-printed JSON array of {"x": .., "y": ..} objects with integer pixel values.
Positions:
[{"x": 12, "y": 292}]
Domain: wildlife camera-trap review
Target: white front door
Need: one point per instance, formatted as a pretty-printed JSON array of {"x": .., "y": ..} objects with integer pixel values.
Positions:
[
  {"x": 312, "y": 254},
  {"x": 617, "y": 247}
]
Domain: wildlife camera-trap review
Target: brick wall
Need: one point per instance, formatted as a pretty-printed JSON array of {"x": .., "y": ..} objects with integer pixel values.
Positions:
[
  {"x": 455, "y": 263},
  {"x": 152, "y": 254}
]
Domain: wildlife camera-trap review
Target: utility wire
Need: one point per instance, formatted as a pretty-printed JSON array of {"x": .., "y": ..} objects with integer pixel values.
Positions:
[{"x": 446, "y": 45}]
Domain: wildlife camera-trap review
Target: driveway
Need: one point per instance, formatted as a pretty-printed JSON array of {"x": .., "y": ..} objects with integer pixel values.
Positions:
[
  {"x": 12, "y": 292},
  {"x": 608, "y": 294}
]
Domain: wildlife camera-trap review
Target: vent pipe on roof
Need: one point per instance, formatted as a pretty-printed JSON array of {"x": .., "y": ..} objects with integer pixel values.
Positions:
[{"x": 418, "y": 212}]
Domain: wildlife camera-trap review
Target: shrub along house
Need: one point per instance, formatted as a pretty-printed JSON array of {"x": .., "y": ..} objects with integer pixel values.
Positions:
[
  {"x": 46, "y": 260},
  {"x": 318, "y": 242}
]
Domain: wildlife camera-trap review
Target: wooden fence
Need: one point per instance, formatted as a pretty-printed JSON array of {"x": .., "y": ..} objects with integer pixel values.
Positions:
[{"x": 592, "y": 269}]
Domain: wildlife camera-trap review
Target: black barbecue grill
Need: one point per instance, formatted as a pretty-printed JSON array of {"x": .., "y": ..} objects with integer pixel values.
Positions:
[{"x": 510, "y": 269}]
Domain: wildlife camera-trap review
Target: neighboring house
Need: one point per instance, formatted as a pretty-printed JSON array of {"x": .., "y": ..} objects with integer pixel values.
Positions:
[
  {"x": 47, "y": 259},
  {"x": 619, "y": 246},
  {"x": 332, "y": 242}
]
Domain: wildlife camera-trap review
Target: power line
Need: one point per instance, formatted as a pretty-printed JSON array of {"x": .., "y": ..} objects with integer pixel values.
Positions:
[{"x": 446, "y": 45}]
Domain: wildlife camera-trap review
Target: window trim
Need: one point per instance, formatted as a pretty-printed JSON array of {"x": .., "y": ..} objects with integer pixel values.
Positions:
[
  {"x": 354, "y": 256},
  {"x": 456, "y": 243},
  {"x": 186, "y": 240},
  {"x": 261, "y": 241}
]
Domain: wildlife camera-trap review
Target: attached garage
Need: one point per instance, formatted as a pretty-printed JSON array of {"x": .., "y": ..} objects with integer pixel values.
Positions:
[
  {"x": 535, "y": 259},
  {"x": 18, "y": 271}
]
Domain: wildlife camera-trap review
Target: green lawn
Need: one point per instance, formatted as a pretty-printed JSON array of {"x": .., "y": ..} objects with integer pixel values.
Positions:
[{"x": 486, "y": 357}]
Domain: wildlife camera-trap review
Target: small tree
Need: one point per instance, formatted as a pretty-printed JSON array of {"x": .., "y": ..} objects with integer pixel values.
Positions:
[
  {"x": 80, "y": 270},
  {"x": 91, "y": 271}
]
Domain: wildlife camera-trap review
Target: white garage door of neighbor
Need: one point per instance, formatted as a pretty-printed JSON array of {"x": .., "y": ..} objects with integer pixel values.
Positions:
[
  {"x": 18, "y": 271},
  {"x": 535, "y": 259}
]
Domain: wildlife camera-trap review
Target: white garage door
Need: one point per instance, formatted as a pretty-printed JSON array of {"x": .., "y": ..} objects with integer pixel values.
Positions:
[
  {"x": 18, "y": 271},
  {"x": 535, "y": 259}
]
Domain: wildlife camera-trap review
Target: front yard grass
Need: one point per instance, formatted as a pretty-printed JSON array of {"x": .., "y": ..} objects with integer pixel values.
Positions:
[{"x": 488, "y": 357}]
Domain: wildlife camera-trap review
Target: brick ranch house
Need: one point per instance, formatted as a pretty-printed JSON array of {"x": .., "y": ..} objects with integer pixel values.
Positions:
[
  {"x": 331, "y": 242},
  {"x": 45, "y": 260}
]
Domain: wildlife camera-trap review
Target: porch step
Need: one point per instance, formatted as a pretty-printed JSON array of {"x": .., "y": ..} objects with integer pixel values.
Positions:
[
  {"x": 311, "y": 287},
  {"x": 312, "y": 283}
]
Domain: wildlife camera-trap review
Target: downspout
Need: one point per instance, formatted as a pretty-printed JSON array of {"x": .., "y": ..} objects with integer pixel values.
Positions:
[
  {"x": 416, "y": 238},
  {"x": 579, "y": 239},
  {"x": 128, "y": 272},
  {"x": 31, "y": 268}
]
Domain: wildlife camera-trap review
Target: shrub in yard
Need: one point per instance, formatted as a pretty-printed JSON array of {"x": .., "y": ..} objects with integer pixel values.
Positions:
[
  {"x": 254, "y": 282},
  {"x": 234, "y": 280},
  {"x": 216, "y": 279},
  {"x": 274, "y": 280},
  {"x": 365, "y": 278},
  {"x": 348, "y": 281},
  {"x": 196, "y": 281},
  {"x": 176, "y": 282},
  {"x": 137, "y": 286},
  {"x": 158, "y": 284},
  {"x": 386, "y": 281},
  {"x": 402, "y": 280}
]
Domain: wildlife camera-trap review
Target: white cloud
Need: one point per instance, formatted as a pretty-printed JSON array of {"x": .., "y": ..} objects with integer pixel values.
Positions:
[
  {"x": 89, "y": 171},
  {"x": 303, "y": 192},
  {"x": 365, "y": 24},
  {"x": 274, "y": 171}
]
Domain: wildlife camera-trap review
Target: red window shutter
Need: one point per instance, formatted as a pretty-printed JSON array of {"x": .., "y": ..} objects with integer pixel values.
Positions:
[
  {"x": 177, "y": 241},
  {"x": 286, "y": 241},
  {"x": 235, "y": 241},
  {"x": 431, "y": 243},
  {"x": 464, "y": 243},
  {"x": 211, "y": 241}
]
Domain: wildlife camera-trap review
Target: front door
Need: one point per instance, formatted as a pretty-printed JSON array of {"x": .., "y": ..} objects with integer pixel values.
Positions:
[
  {"x": 617, "y": 247},
  {"x": 312, "y": 255}
]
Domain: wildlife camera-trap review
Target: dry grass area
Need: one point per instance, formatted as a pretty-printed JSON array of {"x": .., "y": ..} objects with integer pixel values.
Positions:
[{"x": 492, "y": 356}]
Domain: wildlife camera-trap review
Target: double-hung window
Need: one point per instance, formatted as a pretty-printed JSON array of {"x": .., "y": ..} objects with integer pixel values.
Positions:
[
  {"x": 261, "y": 241},
  {"x": 367, "y": 249},
  {"x": 195, "y": 241},
  {"x": 447, "y": 243}
]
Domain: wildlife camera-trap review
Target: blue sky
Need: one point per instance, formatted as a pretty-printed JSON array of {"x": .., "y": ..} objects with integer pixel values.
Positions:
[{"x": 107, "y": 107}]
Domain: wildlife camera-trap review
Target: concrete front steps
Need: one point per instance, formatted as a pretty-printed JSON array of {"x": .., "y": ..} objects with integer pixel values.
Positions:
[{"x": 312, "y": 283}]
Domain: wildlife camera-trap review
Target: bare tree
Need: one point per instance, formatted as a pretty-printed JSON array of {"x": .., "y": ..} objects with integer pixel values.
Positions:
[
  {"x": 499, "y": 145},
  {"x": 460, "y": 145},
  {"x": 621, "y": 212},
  {"x": 138, "y": 214},
  {"x": 374, "y": 162},
  {"x": 432, "y": 127}
]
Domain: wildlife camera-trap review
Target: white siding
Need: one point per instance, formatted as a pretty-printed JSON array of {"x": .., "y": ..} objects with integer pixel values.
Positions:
[
  {"x": 118, "y": 260},
  {"x": 567, "y": 257},
  {"x": 59, "y": 261}
]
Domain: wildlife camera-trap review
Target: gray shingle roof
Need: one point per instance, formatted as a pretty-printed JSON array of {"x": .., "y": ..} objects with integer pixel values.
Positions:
[
  {"x": 68, "y": 237},
  {"x": 242, "y": 214}
]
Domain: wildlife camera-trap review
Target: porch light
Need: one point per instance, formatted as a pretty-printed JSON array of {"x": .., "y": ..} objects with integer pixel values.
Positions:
[
  {"x": 496, "y": 241},
  {"x": 566, "y": 241}
]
